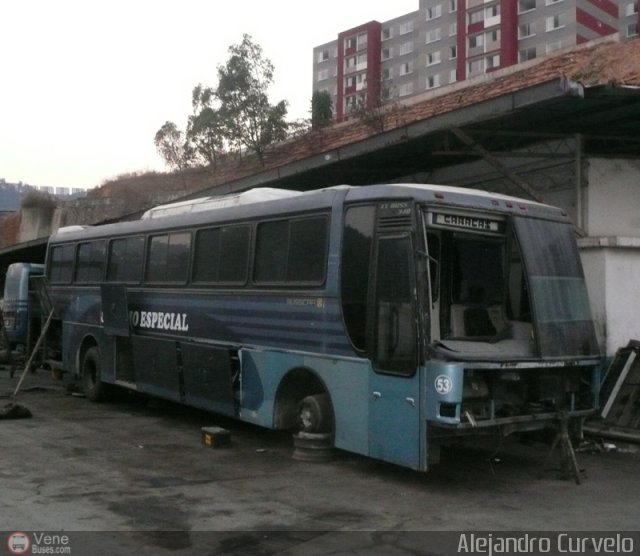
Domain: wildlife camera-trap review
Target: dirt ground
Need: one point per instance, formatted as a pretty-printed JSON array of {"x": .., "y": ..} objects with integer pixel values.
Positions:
[{"x": 137, "y": 471}]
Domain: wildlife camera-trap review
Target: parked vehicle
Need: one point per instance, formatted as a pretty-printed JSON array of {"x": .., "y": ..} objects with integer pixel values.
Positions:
[
  {"x": 20, "y": 311},
  {"x": 395, "y": 318}
]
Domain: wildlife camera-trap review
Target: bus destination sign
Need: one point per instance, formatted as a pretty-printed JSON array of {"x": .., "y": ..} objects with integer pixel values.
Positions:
[{"x": 466, "y": 222}]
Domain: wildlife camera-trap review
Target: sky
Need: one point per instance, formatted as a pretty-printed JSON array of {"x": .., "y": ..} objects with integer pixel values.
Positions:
[{"x": 85, "y": 84}]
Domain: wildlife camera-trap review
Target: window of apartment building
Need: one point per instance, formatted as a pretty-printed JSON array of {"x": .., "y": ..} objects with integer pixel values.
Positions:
[
  {"x": 453, "y": 5},
  {"x": 476, "y": 40},
  {"x": 323, "y": 56},
  {"x": 527, "y": 54},
  {"x": 433, "y": 36},
  {"x": 350, "y": 63},
  {"x": 453, "y": 29},
  {"x": 525, "y": 30},
  {"x": 476, "y": 16},
  {"x": 526, "y": 5},
  {"x": 553, "y": 46},
  {"x": 406, "y": 48},
  {"x": 405, "y": 89},
  {"x": 386, "y": 74},
  {"x": 406, "y": 27},
  {"x": 632, "y": 30},
  {"x": 434, "y": 12},
  {"x": 453, "y": 52},
  {"x": 361, "y": 81},
  {"x": 350, "y": 82},
  {"x": 386, "y": 34},
  {"x": 433, "y": 81},
  {"x": 476, "y": 66},
  {"x": 357, "y": 41},
  {"x": 492, "y": 61},
  {"x": 493, "y": 36},
  {"x": 361, "y": 61},
  {"x": 550, "y": 2},
  {"x": 386, "y": 53},
  {"x": 433, "y": 58},
  {"x": 406, "y": 68},
  {"x": 632, "y": 8},
  {"x": 453, "y": 76},
  {"x": 350, "y": 103},
  {"x": 483, "y": 14},
  {"x": 555, "y": 22},
  {"x": 323, "y": 74}
]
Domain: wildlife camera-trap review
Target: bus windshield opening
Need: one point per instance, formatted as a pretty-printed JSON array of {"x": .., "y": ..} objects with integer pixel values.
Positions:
[{"x": 509, "y": 294}]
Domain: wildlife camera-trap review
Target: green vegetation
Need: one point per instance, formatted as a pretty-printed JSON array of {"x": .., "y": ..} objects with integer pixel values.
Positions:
[{"x": 231, "y": 118}]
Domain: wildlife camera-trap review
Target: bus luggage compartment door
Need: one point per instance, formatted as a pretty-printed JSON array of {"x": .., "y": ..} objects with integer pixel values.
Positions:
[
  {"x": 208, "y": 376},
  {"x": 156, "y": 367}
]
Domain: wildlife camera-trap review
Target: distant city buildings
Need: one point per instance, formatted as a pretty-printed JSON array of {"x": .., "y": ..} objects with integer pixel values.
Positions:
[
  {"x": 447, "y": 41},
  {"x": 11, "y": 194}
]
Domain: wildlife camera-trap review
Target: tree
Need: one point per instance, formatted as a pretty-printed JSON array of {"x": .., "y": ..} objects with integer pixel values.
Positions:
[
  {"x": 250, "y": 120},
  {"x": 321, "y": 109},
  {"x": 170, "y": 144},
  {"x": 373, "y": 106},
  {"x": 206, "y": 130}
]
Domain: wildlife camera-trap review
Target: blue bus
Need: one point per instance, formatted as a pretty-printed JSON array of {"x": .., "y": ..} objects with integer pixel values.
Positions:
[
  {"x": 20, "y": 313},
  {"x": 395, "y": 318}
]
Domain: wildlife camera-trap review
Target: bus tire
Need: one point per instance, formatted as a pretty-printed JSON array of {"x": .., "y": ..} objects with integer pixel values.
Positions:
[
  {"x": 312, "y": 447},
  {"x": 314, "y": 414},
  {"x": 92, "y": 385}
]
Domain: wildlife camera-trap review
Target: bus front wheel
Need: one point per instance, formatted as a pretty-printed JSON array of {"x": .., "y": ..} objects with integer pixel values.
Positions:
[
  {"x": 94, "y": 388},
  {"x": 314, "y": 414}
]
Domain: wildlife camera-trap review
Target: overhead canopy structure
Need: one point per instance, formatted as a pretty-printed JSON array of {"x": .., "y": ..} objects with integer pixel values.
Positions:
[
  {"x": 582, "y": 102},
  {"x": 589, "y": 94}
]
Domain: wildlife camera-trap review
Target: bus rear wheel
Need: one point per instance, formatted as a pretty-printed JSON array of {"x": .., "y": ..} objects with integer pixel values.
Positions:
[
  {"x": 94, "y": 389},
  {"x": 314, "y": 414}
]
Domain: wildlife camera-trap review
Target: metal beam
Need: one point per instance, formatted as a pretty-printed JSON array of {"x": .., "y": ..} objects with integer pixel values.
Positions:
[{"x": 493, "y": 161}]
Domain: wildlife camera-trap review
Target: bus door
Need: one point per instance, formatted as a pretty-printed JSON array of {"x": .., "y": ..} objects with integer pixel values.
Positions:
[
  {"x": 117, "y": 329},
  {"x": 394, "y": 416}
]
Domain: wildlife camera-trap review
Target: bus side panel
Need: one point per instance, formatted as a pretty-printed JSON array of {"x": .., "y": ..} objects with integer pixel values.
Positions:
[
  {"x": 346, "y": 381},
  {"x": 397, "y": 434},
  {"x": 156, "y": 366},
  {"x": 73, "y": 336},
  {"x": 208, "y": 377}
]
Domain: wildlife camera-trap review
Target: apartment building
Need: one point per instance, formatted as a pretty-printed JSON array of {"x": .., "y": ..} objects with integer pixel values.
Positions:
[{"x": 446, "y": 41}]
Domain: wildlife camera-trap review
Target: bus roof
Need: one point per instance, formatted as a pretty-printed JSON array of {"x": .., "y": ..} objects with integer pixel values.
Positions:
[{"x": 315, "y": 200}]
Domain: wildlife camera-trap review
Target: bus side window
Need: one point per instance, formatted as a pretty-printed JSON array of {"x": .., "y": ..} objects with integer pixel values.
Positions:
[
  {"x": 291, "y": 251},
  {"x": 90, "y": 262},
  {"x": 356, "y": 266},
  {"x": 395, "y": 336},
  {"x": 169, "y": 258},
  {"x": 125, "y": 260},
  {"x": 61, "y": 266},
  {"x": 221, "y": 255}
]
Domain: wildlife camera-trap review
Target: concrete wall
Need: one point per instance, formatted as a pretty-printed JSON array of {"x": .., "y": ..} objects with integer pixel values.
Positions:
[
  {"x": 611, "y": 252},
  {"x": 35, "y": 222},
  {"x": 614, "y": 197},
  {"x": 612, "y": 273}
]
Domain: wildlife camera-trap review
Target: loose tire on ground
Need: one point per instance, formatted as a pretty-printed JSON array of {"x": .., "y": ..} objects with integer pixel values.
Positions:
[{"x": 312, "y": 447}]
